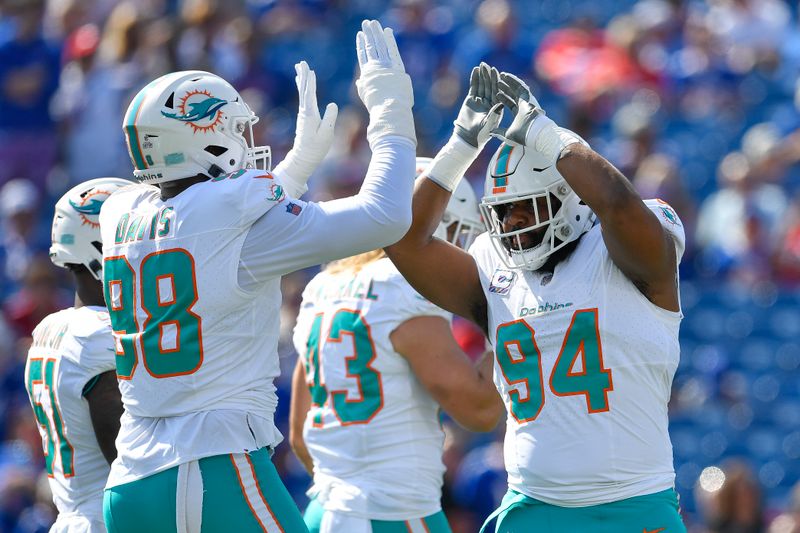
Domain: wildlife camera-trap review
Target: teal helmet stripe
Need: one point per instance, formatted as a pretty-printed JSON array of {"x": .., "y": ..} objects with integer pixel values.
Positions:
[
  {"x": 501, "y": 169},
  {"x": 130, "y": 127}
]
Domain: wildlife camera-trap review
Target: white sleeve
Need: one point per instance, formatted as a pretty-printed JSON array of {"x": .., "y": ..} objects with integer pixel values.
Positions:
[
  {"x": 671, "y": 222},
  {"x": 297, "y": 234}
]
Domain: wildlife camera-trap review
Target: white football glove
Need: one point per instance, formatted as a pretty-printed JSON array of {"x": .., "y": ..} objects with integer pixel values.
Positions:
[
  {"x": 479, "y": 115},
  {"x": 383, "y": 84},
  {"x": 531, "y": 127},
  {"x": 313, "y": 135}
]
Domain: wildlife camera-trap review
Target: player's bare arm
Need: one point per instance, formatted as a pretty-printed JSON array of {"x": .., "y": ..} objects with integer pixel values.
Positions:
[
  {"x": 636, "y": 241},
  {"x": 105, "y": 410},
  {"x": 443, "y": 273},
  {"x": 465, "y": 391},
  {"x": 298, "y": 409}
]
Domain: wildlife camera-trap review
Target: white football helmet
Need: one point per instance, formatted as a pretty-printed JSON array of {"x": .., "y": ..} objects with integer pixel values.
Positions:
[
  {"x": 462, "y": 210},
  {"x": 189, "y": 123},
  {"x": 76, "y": 230},
  {"x": 518, "y": 173}
]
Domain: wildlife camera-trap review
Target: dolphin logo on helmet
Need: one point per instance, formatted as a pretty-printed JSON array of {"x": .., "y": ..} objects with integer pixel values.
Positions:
[
  {"x": 92, "y": 208},
  {"x": 199, "y": 110}
]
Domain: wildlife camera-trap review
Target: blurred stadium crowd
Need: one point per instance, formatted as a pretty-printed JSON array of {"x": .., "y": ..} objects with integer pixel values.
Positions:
[{"x": 696, "y": 101}]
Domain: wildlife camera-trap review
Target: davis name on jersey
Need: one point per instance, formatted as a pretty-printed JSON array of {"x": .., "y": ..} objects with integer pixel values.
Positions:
[
  {"x": 69, "y": 349},
  {"x": 373, "y": 431},
  {"x": 584, "y": 363},
  {"x": 190, "y": 342}
]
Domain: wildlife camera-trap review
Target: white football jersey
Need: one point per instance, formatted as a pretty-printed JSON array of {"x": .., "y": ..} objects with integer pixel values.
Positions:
[
  {"x": 70, "y": 348},
  {"x": 373, "y": 431},
  {"x": 197, "y": 354},
  {"x": 584, "y": 363}
]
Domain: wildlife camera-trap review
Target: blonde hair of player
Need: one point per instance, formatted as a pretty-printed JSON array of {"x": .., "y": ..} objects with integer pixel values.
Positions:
[{"x": 354, "y": 263}]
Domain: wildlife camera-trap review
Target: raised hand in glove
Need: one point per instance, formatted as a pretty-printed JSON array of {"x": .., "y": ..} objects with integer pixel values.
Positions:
[
  {"x": 383, "y": 84},
  {"x": 530, "y": 126},
  {"x": 479, "y": 115},
  {"x": 313, "y": 135}
]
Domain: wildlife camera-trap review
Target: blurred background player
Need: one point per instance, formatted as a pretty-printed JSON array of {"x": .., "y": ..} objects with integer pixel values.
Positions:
[
  {"x": 377, "y": 362},
  {"x": 192, "y": 282},
  {"x": 583, "y": 317},
  {"x": 70, "y": 373}
]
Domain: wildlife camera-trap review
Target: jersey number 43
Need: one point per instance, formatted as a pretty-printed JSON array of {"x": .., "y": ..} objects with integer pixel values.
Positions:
[{"x": 351, "y": 323}]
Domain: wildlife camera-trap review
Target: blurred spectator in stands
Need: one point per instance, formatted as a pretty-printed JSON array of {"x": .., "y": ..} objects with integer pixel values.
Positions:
[
  {"x": 208, "y": 40},
  {"x": 789, "y": 522},
  {"x": 89, "y": 105},
  {"x": 24, "y": 232},
  {"x": 738, "y": 225},
  {"x": 63, "y": 17},
  {"x": 40, "y": 516},
  {"x": 658, "y": 176},
  {"x": 480, "y": 480},
  {"x": 787, "y": 251},
  {"x": 29, "y": 70},
  {"x": 749, "y": 31},
  {"x": 635, "y": 134},
  {"x": 586, "y": 63},
  {"x": 496, "y": 39},
  {"x": 137, "y": 52},
  {"x": 730, "y": 498},
  {"x": 39, "y": 296},
  {"x": 17, "y": 492}
]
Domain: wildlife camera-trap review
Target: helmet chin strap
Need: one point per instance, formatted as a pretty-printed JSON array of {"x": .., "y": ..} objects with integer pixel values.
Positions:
[{"x": 215, "y": 171}]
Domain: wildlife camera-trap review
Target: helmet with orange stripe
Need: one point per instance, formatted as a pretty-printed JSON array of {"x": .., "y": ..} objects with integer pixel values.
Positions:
[
  {"x": 188, "y": 123},
  {"x": 519, "y": 174}
]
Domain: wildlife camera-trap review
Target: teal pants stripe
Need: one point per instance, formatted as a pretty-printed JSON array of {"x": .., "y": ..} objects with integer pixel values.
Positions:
[
  {"x": 149, "y": 504},
  {"x": 435, "y": 523},
  {"x": 650, "y": 513}
]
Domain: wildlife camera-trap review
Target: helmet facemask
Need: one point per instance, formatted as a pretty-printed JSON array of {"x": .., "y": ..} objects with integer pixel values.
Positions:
[
  {"x": 458, "y": 231},
  {"x": 559, "y": 216}
]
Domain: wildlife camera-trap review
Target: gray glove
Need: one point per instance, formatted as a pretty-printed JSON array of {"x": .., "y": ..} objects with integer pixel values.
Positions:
[
  {"x": 481, "y": 112},
  {"x": 514, "y": 94},
  {"x": 530, "y": 126}
]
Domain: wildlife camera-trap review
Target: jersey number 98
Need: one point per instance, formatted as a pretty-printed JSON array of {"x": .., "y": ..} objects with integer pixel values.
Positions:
[{"x": 170, "y": 337}]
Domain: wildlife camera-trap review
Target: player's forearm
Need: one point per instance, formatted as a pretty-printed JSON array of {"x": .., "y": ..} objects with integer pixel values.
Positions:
[
  {"x": 476, "y": 405},
  {"x": 385, "y": 195},
  {"x": 598, "y": 183},
  {"x": 427, "y": 207},
  {"x": 301, "y": 452},
  {"x": 299, "y": 405}
]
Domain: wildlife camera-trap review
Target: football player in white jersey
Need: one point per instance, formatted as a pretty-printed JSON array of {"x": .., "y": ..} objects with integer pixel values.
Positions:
[
  {"x": 70, "y": 374},
  {"x": 192, "y": 280},
  {"x": 376, "y": 362},
  {"x": 583, "y": 316}
]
